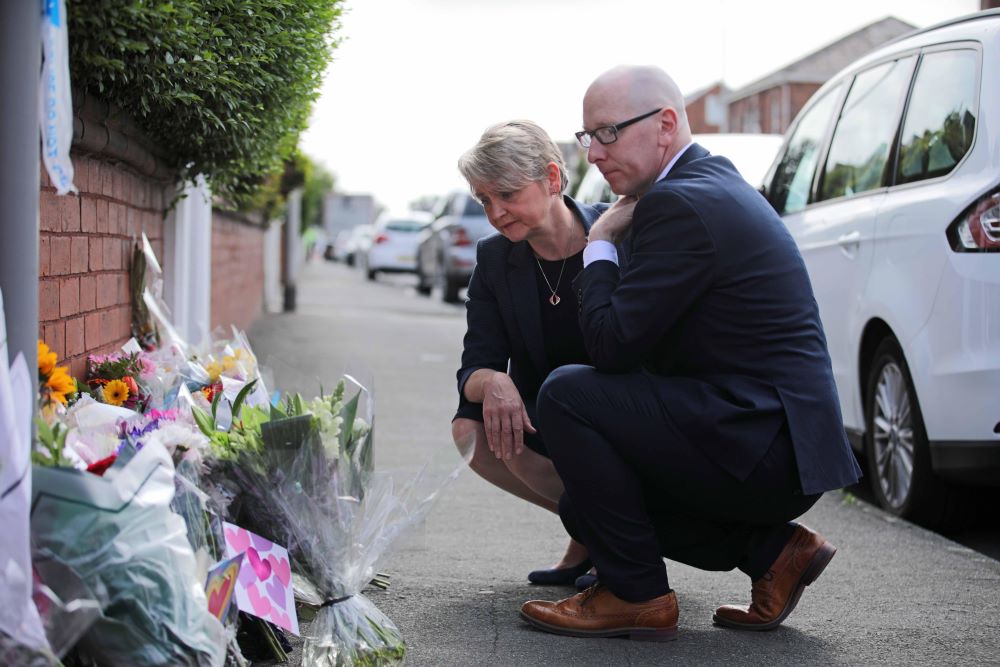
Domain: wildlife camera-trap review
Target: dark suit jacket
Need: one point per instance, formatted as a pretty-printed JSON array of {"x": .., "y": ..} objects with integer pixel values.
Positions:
[
  {"x": 717, "y": 306},
  {"x": 504, "y": 322}
]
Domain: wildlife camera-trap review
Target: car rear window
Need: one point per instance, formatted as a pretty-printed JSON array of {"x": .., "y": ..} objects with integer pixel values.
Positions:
[
  {"x": 941, "y": 117},
  {"x": 473, "y": 207},
  {"x": 866, "y": 130}
]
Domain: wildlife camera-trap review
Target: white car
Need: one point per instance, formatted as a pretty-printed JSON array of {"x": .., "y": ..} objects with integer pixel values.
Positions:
[
  {"x": 889, "y": 181},
  {"x": 393, "y": 247},
  {"x": 751, "y": 154}
]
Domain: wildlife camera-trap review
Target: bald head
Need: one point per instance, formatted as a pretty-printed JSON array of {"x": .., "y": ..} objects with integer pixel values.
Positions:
[
  {"x": 641, "y": 88},
  {"x": 645, "y": 109}
]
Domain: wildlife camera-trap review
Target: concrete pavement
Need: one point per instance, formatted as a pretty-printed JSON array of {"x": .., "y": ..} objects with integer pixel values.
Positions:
[{"x": 894, "y": 594}]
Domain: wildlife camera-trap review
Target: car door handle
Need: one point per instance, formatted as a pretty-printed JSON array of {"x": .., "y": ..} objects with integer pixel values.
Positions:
[{"x": 849, "y": 243}]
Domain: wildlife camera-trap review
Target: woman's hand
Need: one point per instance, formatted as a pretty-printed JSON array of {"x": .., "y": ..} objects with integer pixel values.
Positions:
[
  {"x": 615, "y": 221},
  {"x": 504, "y": 417}
]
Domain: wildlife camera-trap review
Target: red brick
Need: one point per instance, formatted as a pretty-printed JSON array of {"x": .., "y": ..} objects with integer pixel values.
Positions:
[
  {"x": 134, "y": 223},
  {"x": 60, "y": 262},
  {"x": 108, "y": 332},
  {"x": 43, "y": 255},
  {"x": 78, "y": 254},
  {"x": 112, "y": 219},
  {"x": 107, "y": 176},
  {"x": 74, "y": 337},
  {"x": 125, "y": 321},
  {"x": 107, "y": 289},
  {"x": 112, "y": 259},
  {"x": 117, "y": 185},
  {"x": 88, "y": 214},
  {"x": 123, "y": 289},
  {"x": 127, "y": 255},
  {"x": 69, "y": 297},
  {"x": 48, "y": 300},
  {"x": 96, "y": 253},
  {"x": 92, "y": 331},
  {"x": 78, "y": 367},
  {"x": 54, "y": 335},
  {"x": 69, "y": 206},
  {"x": 81, "y": 173},
  {"x": 43, "y": 175},
  {"x": 88, "y": 293},
  {"x": 102, "y": 215},
  {"x": 48, "y": 212}
]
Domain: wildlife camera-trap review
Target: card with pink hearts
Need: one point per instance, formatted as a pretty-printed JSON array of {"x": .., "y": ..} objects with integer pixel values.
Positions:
[{"x": 264, "y": 585}]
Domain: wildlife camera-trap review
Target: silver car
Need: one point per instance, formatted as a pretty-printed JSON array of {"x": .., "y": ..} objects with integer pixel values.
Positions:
[{"x": 446, "y": 253}]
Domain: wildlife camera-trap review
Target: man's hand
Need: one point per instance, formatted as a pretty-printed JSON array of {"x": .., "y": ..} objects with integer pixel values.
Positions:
[
  {"x": 504, "y": 417},
  {"x": 615, "y": 221}
]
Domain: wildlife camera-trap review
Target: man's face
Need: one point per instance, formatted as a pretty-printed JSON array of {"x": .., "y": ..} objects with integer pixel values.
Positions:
[{"x": 632, "y": 163}]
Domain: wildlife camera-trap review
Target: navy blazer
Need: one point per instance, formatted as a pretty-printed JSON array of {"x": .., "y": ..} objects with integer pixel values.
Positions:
[
  {"x": 716, "y": 304},
  {"x": 504, "y": 320}
]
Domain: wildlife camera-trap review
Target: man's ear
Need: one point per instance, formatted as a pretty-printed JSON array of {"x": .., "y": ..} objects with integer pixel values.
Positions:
[{"x": 668, "y": 126}]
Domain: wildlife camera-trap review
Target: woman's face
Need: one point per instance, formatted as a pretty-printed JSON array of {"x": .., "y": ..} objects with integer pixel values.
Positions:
[{"x": 517, "y": 214}]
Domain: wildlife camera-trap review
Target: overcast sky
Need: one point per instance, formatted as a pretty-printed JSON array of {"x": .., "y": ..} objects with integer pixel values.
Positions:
[{"x": 415, "y": 82}]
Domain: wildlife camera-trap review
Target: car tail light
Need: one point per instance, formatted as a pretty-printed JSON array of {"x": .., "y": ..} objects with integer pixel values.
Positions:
[
  {"x": 381, "y": 238},
  {"x": 459, "y": 237},
  {"x": 978, "y": 228}
]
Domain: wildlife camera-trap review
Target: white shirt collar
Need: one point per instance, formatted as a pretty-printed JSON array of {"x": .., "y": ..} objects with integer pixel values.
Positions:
[{"x": 666, "y": 170}]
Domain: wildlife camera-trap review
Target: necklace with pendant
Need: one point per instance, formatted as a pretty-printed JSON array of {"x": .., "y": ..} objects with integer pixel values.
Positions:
[{"x": 554, "y": 298}]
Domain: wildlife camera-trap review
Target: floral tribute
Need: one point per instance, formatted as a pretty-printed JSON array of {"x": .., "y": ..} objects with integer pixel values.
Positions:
[{"x": 138, "y": 471}]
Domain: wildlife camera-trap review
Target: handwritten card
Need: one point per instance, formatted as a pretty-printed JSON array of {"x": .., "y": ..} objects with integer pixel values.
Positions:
[{"x": 264, "y": 585}]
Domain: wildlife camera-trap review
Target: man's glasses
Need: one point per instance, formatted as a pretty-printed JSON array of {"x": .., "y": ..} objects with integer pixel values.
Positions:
[{"x": 609, "y": 133}]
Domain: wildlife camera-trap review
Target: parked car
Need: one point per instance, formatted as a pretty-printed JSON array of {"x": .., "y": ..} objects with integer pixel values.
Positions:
[
  {"x": 336, "y": 250},
  {"x": 393, "y": 247},
  {"x": 751, "y": 154},
  {"x": 889, "y": 181},
  {"x": 358, "y": 242},
  {"x": 446, "y": 253}
]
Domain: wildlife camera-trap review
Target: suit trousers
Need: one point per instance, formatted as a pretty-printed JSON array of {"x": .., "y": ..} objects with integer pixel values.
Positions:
[{"x": 637, "y": 490}]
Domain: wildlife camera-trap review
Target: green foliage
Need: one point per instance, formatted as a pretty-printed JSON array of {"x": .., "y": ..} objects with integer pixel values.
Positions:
[
  {"x": 318, "y": 182},
  {"x": 225, "y": 86}
]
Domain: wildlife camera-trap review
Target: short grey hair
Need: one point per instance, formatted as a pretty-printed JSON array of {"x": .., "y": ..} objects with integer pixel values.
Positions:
[{"x": 511, "y": 155}]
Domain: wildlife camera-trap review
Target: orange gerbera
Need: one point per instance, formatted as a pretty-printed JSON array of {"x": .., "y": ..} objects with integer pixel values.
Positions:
[
  {"x": 46, "y": 359},
  {"x": 115, "y": 392}
]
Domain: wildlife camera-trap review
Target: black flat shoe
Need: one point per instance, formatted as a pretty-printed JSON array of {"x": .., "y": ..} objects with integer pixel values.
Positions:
[
  {"x": 564, "y": 576},
  {"x": 585, "y": 581}
]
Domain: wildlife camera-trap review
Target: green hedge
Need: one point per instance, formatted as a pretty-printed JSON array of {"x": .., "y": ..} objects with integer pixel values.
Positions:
[{"x": 224, "y": 86}]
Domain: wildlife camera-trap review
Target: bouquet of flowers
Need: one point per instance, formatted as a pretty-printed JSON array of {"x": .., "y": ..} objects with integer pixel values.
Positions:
[
  {"x": 302, "y": 474},
  {"x": 114, "y": 379}
]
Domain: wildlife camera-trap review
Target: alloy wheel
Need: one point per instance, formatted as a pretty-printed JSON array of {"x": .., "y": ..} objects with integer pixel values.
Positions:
[{"x": 893, "y": 435}]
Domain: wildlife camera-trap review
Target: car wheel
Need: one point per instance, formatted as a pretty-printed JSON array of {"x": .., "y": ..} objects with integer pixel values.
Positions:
[
  {"x": 370, "y": 273},
  {"x": 423, "y": 287},
  {"x": 899, "y": 463}
]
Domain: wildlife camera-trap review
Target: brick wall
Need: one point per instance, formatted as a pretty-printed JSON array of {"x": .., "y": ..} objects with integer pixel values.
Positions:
[
  {"x": 237, "y": 270},
  {"x": 85, "y": 250}
]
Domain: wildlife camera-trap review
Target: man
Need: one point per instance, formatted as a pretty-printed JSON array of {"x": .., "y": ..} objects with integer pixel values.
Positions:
[{"x": 709, "y": 420}]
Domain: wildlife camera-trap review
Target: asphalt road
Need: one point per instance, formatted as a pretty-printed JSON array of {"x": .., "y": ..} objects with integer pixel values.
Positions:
[{"x": 895, "y": 593}]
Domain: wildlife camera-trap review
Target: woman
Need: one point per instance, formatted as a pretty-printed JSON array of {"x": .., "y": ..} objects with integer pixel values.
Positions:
[{"x": 522, "y": 316}]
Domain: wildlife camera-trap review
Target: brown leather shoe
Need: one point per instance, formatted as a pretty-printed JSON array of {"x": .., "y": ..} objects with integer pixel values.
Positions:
[
  {"x": 774, "y": 596},
  {"x": 597, "y": 612}
]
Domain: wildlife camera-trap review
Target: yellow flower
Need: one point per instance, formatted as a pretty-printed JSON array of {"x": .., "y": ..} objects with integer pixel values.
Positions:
[
  {"x": 60, "y": 383},
  {"x": 46, "y": 359},
  {"x": 115, "y": 392},
  {"x": 214, "y": 370}
]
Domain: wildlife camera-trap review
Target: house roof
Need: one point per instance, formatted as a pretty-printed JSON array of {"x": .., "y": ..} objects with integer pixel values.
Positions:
[
  {"x": 820, "y": 65},
  {"x": 701, "y": 92}
]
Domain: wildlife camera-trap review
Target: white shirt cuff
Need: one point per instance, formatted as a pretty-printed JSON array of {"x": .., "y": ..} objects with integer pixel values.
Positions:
[{"x": 599, "y": 249}]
